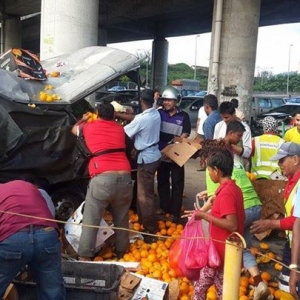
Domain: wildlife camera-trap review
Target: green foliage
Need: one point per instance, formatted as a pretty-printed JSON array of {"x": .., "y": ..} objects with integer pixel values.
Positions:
[
  {"x": 265, "y": 82},
  {"x": 278, "y": 83}
]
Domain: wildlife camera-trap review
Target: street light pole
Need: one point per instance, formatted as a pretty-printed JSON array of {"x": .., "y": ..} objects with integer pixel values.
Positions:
[
  {"x": 288, "y": 74},
  {"x": 195, "y": 69}
]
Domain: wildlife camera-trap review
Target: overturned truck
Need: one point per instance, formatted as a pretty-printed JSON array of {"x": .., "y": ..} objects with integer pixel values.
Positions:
[{"x": 35, "y": 130}]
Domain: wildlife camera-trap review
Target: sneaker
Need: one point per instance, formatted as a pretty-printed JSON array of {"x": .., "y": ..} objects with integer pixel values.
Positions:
[{"x": 261, "y": 292}]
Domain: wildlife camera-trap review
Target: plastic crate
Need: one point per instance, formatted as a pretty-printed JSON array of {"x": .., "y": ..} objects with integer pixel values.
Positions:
[{"x": 93, "y": 281}]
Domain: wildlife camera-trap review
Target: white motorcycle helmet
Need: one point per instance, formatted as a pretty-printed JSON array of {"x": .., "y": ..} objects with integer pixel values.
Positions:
[{"x": 170, "y": 92}]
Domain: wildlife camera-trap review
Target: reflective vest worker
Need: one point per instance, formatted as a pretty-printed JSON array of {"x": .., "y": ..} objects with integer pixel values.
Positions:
[{"x": 264, "y": 147}]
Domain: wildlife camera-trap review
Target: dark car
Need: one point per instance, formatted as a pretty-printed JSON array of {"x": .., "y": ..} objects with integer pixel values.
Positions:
[
  {"x": 283, "y": 114},
  {"x": 191, "y": 105}
]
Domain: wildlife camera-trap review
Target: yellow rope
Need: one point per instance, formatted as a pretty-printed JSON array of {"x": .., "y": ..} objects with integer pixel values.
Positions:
[{"x": 138, "y": 232}]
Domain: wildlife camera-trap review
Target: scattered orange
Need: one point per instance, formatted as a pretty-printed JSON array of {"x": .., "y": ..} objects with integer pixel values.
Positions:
[
  {"x": 264, "y": 246},
  {"x": 265, "y": 276},
  {"x": 278, "y": 266},
  {"x": 277, "y": 294}
]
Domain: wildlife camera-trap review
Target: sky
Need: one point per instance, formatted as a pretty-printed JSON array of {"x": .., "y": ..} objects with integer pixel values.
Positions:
[{"x": 273, "y": 48}]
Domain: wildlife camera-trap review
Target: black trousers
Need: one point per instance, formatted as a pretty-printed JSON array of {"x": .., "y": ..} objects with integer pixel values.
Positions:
[{"x": 170, "y": 198}]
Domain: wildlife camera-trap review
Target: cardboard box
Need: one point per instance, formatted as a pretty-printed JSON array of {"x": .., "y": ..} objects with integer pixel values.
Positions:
[
  {"x": 181, "y": 151},
  {"x": 73, "y": 230},
  {"x": 271, "y": 193}
]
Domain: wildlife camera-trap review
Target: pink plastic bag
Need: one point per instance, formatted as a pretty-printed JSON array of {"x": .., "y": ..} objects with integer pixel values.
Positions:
[
  {"x": 194, "y": 251},
  {"x": 214, "y": 260}
]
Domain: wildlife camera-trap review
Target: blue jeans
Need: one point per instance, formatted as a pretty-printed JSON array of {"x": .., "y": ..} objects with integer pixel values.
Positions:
[
  {"x": 252, "y": 214},
  {"x": 40, "y": 249}
]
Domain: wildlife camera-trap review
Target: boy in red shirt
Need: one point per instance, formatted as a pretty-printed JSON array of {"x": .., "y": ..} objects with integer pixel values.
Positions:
[{"x": 227, "y": 215}]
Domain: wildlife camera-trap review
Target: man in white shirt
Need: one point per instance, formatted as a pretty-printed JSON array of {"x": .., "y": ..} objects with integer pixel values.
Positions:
[
  {"x": 227, "y": 112},
  {"x": 201, "y": 118}
]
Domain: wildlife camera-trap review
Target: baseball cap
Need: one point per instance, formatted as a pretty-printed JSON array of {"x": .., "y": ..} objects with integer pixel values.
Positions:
[{"x": 287, "y": 149}]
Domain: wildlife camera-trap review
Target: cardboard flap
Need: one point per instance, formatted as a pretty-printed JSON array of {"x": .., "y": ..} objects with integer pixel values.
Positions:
[
  {"x": 129, "y": 281},
  {"x": 181, "y": 152}
]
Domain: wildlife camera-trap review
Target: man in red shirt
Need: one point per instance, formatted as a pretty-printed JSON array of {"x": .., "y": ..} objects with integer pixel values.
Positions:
[
  {"x": 31, "y": 241},
  {"x": 110, "y": 182}
]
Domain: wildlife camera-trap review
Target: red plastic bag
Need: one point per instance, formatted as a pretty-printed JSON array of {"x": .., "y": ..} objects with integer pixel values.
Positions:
[
  {"x": 174, "y": 254},
  {"x": 194, "y": 251},
  {"x": 214, "y": 260}
]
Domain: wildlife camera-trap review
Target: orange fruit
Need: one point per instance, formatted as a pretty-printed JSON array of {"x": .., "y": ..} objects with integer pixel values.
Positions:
[
  {"x": 265, "y": 276},
  {"x": 278, "y": 266},
  {"x": 184, "y": 287},
  {"x": 43, "y": 96},
  {"x": 55, "y": 74},
  {"x": 277, "y": 294},
  {"x": 243, "y": 290},
  {"x": 244, "y": 281},
  {"x": 98, "y": 258},
  {"x": 152, "y": 257},
  {"x": 244, "y": 297},
  {"x": 264, "y": 246},
  {"x": 211, "y": 296}
]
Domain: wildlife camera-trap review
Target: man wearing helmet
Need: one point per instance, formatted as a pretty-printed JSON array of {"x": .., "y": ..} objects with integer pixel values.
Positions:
[
  {"x": 264, "y": 147},
  {"x": 175, "y": 123}
]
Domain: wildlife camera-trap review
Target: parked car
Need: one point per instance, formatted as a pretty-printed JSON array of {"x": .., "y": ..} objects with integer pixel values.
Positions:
[
  {"x": 117, "y": 88},
  {"x": 201, "y": 93},
  {"x": 293, "y": 100},
  {"x": 283, "y": 114},
  {"x": 264, "y": 103},
  {"x": 191, "y": 105}
]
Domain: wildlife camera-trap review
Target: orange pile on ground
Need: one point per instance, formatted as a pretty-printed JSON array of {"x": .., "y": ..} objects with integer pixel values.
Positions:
[{"x": 154, "y": 263}]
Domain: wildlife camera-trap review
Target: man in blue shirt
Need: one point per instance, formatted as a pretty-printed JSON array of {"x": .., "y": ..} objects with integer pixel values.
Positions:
[
  {"x": 175, "y": 122},
  {"x": 144, "y": 129},
  {"x": 210, "y": 104}
]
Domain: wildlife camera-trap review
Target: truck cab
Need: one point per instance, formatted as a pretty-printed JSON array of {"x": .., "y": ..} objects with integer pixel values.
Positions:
[{"x": 35, "y": 134}]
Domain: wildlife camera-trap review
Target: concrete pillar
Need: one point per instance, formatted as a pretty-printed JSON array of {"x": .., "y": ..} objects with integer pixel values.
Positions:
[
  {"x": 67, "y": 26},
  {"x": 12, "y": 33},
  {"x": 159, "y": 64},
  {"x": 102, "y": 37},
  {"x": 235, "y": 63}
]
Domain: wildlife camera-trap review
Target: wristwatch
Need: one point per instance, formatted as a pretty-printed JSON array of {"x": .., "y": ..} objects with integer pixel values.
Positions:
[{"x": 294, "y": 267}]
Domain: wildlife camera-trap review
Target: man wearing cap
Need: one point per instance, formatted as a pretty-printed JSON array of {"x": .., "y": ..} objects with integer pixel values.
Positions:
[
  {"x": 145, "y": 129},
  {"x": 263, "y": 148},
  {"x": 293, "y": 134},
  {"x": 288, "y": 157}
]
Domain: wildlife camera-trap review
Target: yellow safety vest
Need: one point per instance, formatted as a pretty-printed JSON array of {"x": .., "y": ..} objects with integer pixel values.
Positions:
[
  {"x": 266, "y": 146},
  {"x": 288, "y": 207}
]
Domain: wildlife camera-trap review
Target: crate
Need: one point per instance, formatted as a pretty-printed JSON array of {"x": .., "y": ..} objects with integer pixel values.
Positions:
[{"x": 83, "y": 280}]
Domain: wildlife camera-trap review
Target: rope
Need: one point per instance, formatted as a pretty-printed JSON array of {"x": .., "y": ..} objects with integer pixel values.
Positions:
[{"x": 144, "y": 233}]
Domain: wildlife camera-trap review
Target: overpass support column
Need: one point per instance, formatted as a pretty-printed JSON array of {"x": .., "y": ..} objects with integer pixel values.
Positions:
[
  {"x": 159, "y": 65},
  {"x": 12, "y": 37},
  {"x": 233, "y": 51},
  {"x": 68, "y": 26}
]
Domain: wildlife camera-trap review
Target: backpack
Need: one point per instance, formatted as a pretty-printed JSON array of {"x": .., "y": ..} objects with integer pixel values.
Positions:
[{"x": 82, "y": 155}]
